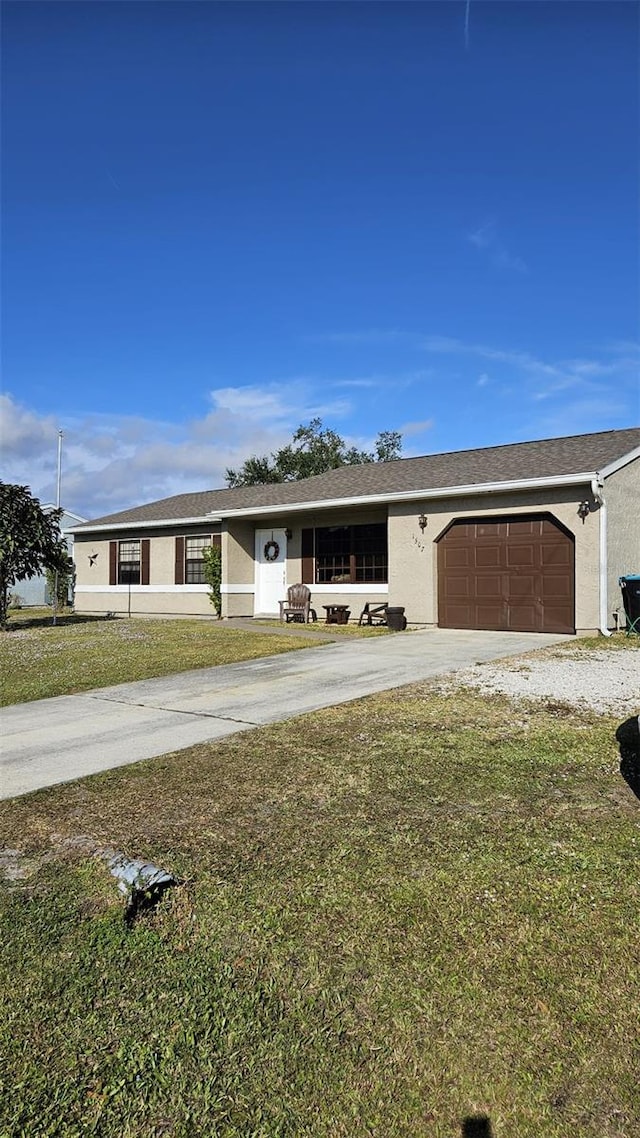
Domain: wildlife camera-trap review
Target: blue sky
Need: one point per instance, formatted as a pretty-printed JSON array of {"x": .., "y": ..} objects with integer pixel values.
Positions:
[{"x": 220, "y": 220}]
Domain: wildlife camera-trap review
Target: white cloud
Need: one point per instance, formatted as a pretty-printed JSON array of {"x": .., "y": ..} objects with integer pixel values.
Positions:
[
  {"x": 111, "y": 462},
  {"x": 484, "y": 236},
  {"x": 417, "y": 428},
  {"x": 114, "y": 462},
  {"x": 372, "y": 381},
  {"x": 487, "y": 240},
  {"x": 579, "y": 416},
  {"x": 23, "y": 432},
  {"x": 547, "y": 380}
]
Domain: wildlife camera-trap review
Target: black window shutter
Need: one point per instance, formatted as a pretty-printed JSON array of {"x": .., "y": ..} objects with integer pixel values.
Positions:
[
  {"x": 179, "y": 571},
  {"x": 144, "y": 568},
  {"x": 113, "y": 563},
  {"x": 307, "y": 557}
]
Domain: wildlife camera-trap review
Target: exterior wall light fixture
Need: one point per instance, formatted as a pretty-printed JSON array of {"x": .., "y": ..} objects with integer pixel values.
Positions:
[
  {"x": 584, "y": 509},
  {"x": 422, "y": 522},
  {"x": 288, "y": 534}
]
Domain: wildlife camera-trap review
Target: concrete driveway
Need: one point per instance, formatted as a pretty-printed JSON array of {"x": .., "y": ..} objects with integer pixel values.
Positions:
[{"x": 56, "y": 740}]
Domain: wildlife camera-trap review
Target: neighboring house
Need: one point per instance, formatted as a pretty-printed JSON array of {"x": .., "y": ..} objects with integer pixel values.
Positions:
[
  {"x": 529, "y": 536},
  {"x": 34, "y": 590}
]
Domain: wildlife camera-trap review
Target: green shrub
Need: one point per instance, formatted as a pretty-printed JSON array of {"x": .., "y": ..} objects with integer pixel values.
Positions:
[{"x": 212, "y": 557}]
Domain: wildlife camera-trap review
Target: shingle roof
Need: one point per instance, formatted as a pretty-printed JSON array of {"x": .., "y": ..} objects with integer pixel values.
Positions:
[{"x": 545, "y": 458}]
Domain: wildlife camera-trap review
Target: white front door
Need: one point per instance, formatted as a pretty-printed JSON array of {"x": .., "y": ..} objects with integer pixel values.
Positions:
[{"x": 271, "y": 571}]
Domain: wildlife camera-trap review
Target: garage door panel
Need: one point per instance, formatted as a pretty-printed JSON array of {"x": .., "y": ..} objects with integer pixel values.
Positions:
[
  {"x": 463, "y": 534},
  {"x": 533, "y": 589},
  {"x": 463, "y": 615},
  {"x": 457, "y": 587},
  {"x": 556, "y": 555},
  {"x": 523, "y": 528},
  {"x": 488, "y": 586},
  {"x": 458, "y": 558},
  {"x": 556, "y": 615},
  {"x": 489, "y": 616},
  {"x": 522, "y": 618},
  {"x": 523, "y": 585},
  {"x": 488, "y": 556},
  {"x": 556, "y": 588},
  {"x": 520, "y": 555}
]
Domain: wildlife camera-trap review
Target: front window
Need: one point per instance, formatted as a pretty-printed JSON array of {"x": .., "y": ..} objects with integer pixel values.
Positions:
[
  {"x": 351, "y": 554},
  {"x": 129, "y": 563},
  {"x": 193, "y": 560}
]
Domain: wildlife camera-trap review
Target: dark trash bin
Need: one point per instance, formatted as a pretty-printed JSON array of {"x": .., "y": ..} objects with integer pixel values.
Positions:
[
  {"x": 396, "y": 620},
  {"x": 630, "y": 586}
]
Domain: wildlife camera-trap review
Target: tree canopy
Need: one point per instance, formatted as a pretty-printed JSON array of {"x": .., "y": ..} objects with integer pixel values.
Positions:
[
  {"x": 30, "y": 540},
  {"x": 312, "y": 450}
]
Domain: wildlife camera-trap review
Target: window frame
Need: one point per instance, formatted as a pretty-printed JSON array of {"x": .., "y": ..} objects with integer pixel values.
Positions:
[
  {"x": 214, "y": 540},
  {"x": 193, "y": 563},
  {"x": 357, "y": 558},
  {"x": 129, "y": 571}
]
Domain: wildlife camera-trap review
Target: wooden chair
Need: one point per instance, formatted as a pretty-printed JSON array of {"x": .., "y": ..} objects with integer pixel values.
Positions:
[
  {"x": 297, "y": 605},
  {"x": 374, "y": 614}
]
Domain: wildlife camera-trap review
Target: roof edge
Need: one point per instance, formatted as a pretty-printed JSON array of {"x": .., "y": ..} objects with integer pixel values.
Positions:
[
  {"x": 577, "y": 479},
  {"x": 547, "y": 482},
  {"x": 202, "y": 519},
  {"x": 618, "y": 463}
]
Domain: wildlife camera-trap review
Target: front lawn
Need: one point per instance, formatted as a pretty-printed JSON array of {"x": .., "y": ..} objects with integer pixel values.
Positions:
[
  {"x": 395, "y": 916},
  {"x": 38, "y": 659}
]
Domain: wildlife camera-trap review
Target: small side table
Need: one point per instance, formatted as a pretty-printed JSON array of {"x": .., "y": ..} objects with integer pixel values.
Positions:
[{"x": 337, "y": 614}]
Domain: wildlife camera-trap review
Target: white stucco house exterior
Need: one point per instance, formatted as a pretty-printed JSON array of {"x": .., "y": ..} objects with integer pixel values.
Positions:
[{"x": 530, "y": 536}]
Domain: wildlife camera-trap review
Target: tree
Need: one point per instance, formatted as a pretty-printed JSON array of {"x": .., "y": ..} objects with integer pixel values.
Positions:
[
  {"x": 30, "y": 540},
  {"x": 212, "y": 557},
  {"x": 312, "y": 450},
  {"x": 60, "y": 584}
]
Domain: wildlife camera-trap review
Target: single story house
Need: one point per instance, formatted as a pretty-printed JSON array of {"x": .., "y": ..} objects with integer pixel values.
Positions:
[{"x": 530, "y": 536}]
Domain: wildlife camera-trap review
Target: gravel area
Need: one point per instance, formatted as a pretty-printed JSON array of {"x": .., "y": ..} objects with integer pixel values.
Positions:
[{"x": 605, "y": 680}]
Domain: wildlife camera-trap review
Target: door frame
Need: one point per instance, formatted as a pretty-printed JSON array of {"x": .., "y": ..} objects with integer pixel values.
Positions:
[{"x": 264, "y": 604}]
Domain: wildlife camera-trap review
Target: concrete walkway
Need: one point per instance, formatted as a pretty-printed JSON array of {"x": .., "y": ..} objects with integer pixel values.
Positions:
[{"x": 56, "y": 740}]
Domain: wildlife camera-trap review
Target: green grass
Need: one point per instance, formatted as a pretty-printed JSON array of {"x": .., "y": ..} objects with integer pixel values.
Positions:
[
  {"x": 395, "y": 915},
  {"x": 38, "y": 659}
]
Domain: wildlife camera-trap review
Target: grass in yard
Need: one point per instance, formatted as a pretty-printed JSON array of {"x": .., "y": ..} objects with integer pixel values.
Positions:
[
  {"x": 397, "y": 914},
  {"x": 38, "y": 659}
]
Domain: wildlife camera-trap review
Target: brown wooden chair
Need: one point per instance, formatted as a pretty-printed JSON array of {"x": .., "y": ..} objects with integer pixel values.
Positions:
[
  {"x": 297, "y": 605},
  {"x": 374, "y": 614}
]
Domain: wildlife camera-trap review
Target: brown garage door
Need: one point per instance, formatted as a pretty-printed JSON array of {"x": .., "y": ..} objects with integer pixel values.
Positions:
[{"x": 510, "y": 573}]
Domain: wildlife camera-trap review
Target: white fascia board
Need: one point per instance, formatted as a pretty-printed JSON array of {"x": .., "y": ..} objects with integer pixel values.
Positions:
[
  {"x": 177, "y": 523},
  {"x": 418, "y": 495},
  {"x": 619, "y": 463}
]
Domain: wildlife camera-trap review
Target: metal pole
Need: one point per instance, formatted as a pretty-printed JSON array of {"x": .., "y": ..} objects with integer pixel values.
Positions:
[
  {"x": 55, "y": 579},
  {"x": 59, "y": 469}
]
